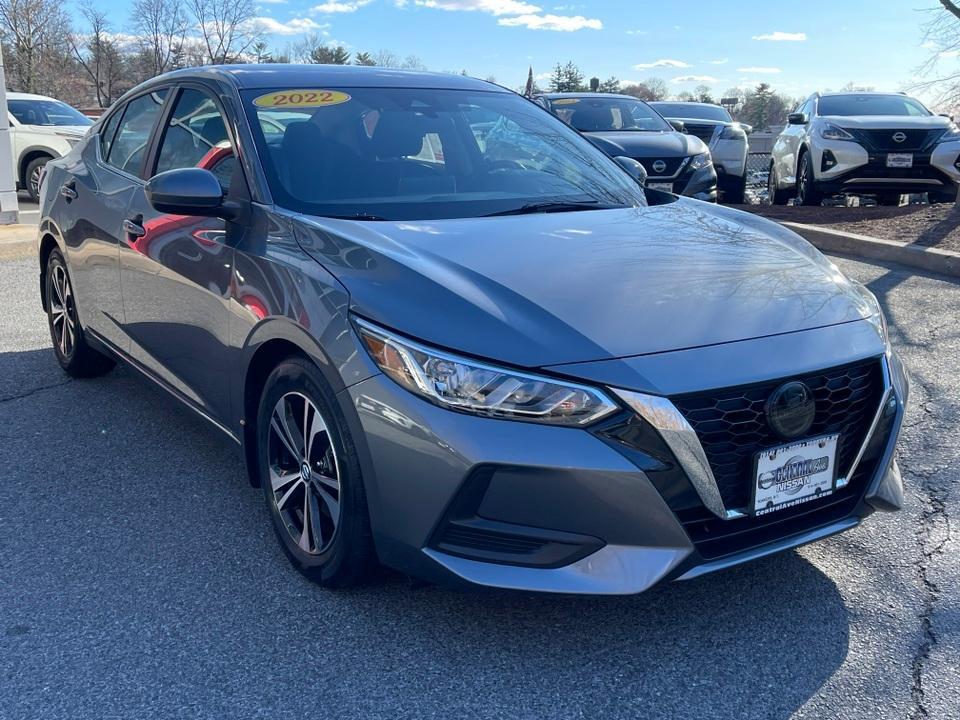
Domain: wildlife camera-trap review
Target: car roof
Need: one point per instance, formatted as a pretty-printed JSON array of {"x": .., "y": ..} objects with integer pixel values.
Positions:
[
  {"x": 27, "y": 96},
  {"x": 555, "y": 96},
  {"x": 274, "y": 75},
  {"x": 691, "y": 103},
  {"x": 840, "y": 93}
]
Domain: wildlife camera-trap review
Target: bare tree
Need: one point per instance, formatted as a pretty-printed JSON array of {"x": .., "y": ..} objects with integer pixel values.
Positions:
[
  {"x": 162, "y": 26},
  {"x": 35, "y": 52},
  {"x": 226, "y": 28},
  {"x": 98, "y": 55}
]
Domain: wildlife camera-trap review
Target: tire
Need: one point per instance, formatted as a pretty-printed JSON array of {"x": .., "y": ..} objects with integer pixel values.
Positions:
[
  {"x": 734, "y": 193},
  {"x": 31, "y": 176},
  {"x": 70, "y": 347},
  {"x": 338, "y": 552},
  {"x": 807, "y": 192},
  {"x": 889, "y": 199},
  {"x": 942, "y": 196},
  {"x": 776, "y": 197}
]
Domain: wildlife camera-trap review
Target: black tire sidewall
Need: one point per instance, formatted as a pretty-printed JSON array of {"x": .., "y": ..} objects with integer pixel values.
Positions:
[
  {"x": 56, "y": 260},
  {"x": 28, "y": 172},
  {"x": 348, "y": 547}
]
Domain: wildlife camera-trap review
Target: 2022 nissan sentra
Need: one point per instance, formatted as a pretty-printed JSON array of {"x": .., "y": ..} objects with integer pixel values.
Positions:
[
  {"x": 623, "y": 126},
  {"x": 451, "y": 335}
]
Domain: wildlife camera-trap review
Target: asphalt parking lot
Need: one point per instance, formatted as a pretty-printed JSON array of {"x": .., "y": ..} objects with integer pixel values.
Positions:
[{"x": 139, "y": 578}]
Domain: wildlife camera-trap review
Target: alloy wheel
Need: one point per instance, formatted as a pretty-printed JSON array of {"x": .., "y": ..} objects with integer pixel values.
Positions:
[
  {"x": 35, "y": 181},
  {"x": 804, "y": 184},
  {"x": 304, "y": 473},
  {"x": 63, "y": 312}
]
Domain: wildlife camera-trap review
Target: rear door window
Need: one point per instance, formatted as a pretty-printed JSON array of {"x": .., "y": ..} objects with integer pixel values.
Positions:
[{"x": 129, "y": 146}]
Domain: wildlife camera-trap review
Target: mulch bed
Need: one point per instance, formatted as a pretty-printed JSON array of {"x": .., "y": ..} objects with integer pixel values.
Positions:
[{"x": 929, "y": 225}]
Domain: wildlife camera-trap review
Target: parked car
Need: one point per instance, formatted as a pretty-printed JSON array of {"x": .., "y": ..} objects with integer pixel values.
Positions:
[
  {"x": 621, "y": 125},
  {"x": 514, "y": 370},
  {"x": 41, "y": 129},
  {"x": 726, "y": 139},
  {"x": 882, "y": 144}
]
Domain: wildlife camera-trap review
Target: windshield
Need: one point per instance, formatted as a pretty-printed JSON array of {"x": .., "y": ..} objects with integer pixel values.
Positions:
[
  {"x": 594, "y": 114},
  {"x": 696, "y": 111},
  {"x": 871, "y": 105},
  {"x": 46, "y": 112},
  {"x": 408, "y": 154}
]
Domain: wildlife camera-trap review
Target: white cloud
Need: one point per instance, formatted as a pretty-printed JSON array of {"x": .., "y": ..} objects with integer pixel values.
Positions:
[
  {"x": 559, "y": 23},
  {"x": 296, "y": 26},
  {"x": 721, "y": 61},
  {"x": 329, "y": 8},
  {"x": 760, "y": 70},
  {"x": 778, "y": 36},
  {"x": 703, "y": 79},
  {"x": 495, "y": 7},
  {"x": 271, "y": 2},
  {"x": 637, "y": 32},
  {"x": 661, "y": 63}
]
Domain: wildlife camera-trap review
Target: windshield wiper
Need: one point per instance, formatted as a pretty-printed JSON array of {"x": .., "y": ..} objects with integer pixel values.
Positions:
[{"x": 554, "y": 206}]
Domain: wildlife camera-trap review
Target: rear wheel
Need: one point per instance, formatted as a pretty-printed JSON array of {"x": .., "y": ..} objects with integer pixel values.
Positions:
[
  {"x": 776, "y": 197},
  {"x": 311, "y": 477},
  {"x": 734, "y": 192},
  {"x": 807, "y": 192},
  {"x": 942, "y": 196},
  {"x": 889, "y": 199},
  {"x": 73, "y": 352}
]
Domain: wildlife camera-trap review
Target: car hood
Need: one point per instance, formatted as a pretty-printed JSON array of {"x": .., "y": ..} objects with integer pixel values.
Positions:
[
  {"x": 882, "y": 122},
  {"x": 546, "y": 289},
  {"x": 73, "y": 130},
  {"x": 647, "y": 144}
]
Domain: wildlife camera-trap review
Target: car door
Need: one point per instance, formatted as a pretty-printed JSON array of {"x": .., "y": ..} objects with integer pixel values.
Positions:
[
  {"x": 90, "y": 204},
  {"x": 177, "y": 270}
]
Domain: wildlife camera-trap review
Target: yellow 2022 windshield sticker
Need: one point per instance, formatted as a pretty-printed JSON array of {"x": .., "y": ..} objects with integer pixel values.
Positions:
[
  {"x": 301, "y": 99},
  {"x": 566, "y": 101}
]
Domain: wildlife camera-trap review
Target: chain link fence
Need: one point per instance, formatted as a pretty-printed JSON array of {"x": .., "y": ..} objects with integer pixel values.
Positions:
[{"x": 758, "y": 168}]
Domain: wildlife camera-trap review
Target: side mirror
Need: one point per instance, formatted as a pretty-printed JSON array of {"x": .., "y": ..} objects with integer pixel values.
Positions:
[
  {"x": 678, "y": 125},
  {"x": 748, "y": 129},
  {"x": 797, "y": 119},
  {"x": 637, "y": 171},
  {"x": 947, "y": 115},
  {"x": 187, "y": 191}
]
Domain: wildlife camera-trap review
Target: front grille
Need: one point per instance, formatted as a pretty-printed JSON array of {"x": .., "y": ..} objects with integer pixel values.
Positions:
[
  {"x": 672, "y": 166},
  {"x": 882, "y": 140},
  {"x": 704, "y": 132},
  {"x": 732, "y": 427}
]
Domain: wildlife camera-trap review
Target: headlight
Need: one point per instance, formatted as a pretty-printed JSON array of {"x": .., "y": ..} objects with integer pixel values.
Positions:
[
  {"x": 952, "y": 133},
  {"x": 733, "y": 132},
  {"x": 462, "y": 384},
  {"x": 71, "y": 139},
  {"x": 700, "y": 161},
  {"x": 829, "y": 131}
]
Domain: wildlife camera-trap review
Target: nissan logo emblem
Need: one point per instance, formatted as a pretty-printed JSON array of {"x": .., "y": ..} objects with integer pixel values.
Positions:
[
  {"x": 791, "y": 409},
  {"x": 659, "y": 166},
  {"x": 899, "y": 137}
]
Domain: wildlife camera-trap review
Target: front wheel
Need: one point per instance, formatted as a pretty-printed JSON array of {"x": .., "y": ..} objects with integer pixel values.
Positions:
[
  {"x": 32, "y": 175},
  {"x": 311, "y": 477},
  {"x": 70, "y": 346},
  {"x": 775, "y": 196},
  {"x": 734, "y": 193},
  {"x": 807, "y": 192}
]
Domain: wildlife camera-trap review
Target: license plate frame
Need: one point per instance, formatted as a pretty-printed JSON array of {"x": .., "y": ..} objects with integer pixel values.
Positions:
[
  {"x": 661, "y": 186},
  {"x": 788, "y": 492},
  {"x": 902, "y": 161}
]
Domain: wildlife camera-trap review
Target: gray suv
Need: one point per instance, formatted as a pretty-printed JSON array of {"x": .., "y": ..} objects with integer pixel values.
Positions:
[{"x": 450, "y": 335}]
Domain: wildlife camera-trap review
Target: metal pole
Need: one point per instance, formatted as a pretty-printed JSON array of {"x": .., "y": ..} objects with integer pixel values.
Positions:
[{"x": 9, "y": 210}]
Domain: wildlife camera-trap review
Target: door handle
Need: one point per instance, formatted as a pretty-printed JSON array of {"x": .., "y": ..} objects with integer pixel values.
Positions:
[
  {"x": 69, "y": 191},
  {"x": 134, "y": 228}
]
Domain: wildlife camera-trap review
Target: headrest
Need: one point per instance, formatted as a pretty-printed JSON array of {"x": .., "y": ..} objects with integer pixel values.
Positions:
[
  {"x": 588, "y": 118},
  {"x": 399, "y": 134},
  {"x": 213, "y": 130}
]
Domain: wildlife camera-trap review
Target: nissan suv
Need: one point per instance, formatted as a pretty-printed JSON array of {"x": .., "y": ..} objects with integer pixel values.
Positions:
[
  {"x": 41, "y": 129},
  {"x": 865, "y": 143},
  {"x": 726, "y": 139},
  {"x": 623, "y": 126}
]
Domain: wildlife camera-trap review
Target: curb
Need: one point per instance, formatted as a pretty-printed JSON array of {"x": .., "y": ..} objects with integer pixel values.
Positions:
[
  {"x": 17, "y": 241},
  {"x": 943, "y": 262}
]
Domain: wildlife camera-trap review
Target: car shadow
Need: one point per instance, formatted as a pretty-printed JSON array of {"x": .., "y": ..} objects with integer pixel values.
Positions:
[{"x": 138, "y": 563}]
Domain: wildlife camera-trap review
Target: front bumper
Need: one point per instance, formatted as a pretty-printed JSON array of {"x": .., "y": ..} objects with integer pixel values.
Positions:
[
  {"x": 859, "y": 169},
  {"x": 460, "y": 499}
]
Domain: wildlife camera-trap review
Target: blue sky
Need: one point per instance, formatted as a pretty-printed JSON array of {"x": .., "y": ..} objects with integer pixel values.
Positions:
[{"x": 817, "y": 45}]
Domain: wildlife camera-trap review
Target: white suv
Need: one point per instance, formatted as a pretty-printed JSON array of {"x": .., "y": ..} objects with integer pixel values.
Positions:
[
  {"x": 882, "y": 144},
  {"x": 41, "y": 129}
]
